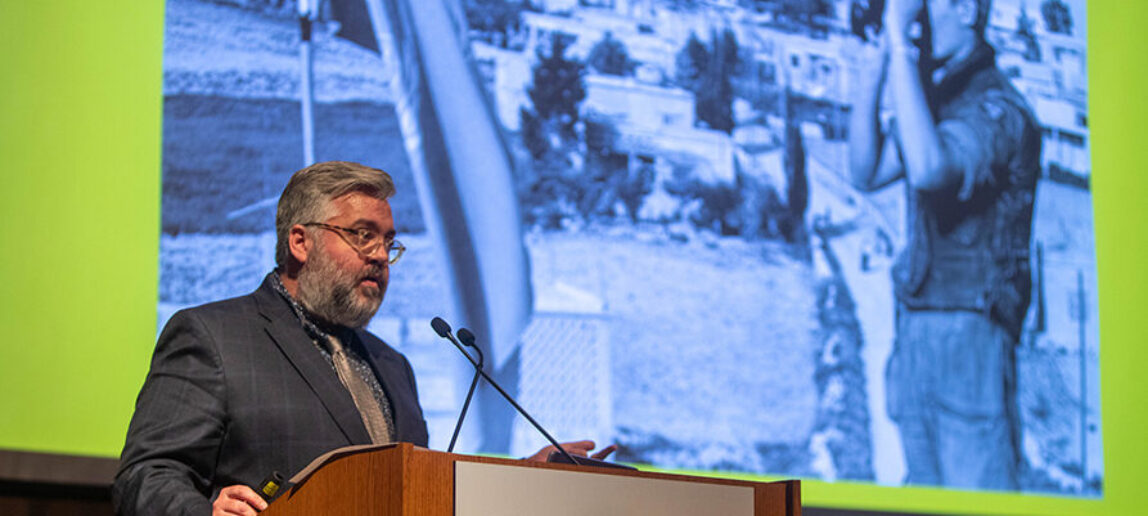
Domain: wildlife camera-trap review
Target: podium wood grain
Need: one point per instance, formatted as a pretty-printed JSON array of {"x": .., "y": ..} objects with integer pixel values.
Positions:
[{"x": 407, "y": 481}]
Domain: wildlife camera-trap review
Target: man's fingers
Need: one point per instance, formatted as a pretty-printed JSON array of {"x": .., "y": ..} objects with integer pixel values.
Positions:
[
  {"x": 575, "y": 448},
  {"x": 249, "y": 496},
  {"x": 231, "y": 506},
  {"x": 605, "y": 452},
  {"x": 583, "y": 448},
  {"x": 238, "y": 499},
  {"x": 579, "y": 448}
]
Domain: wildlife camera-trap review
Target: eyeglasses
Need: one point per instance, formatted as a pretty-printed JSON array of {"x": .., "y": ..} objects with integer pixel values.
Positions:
[{"x": 365, "y": 241}]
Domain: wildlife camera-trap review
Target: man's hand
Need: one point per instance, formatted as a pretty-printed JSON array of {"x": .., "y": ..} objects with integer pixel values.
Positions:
[
  {"x": 576, "y": 448},
  {"x": 237, "y": 499},
  {"x": 899, "y": 16}
]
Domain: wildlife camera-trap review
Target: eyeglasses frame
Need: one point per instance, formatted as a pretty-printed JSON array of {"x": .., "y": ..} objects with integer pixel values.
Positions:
[{"x": 345, "y": 234}]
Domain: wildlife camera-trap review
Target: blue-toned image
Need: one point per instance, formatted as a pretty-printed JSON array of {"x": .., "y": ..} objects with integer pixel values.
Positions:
[{"x": 762, "y": 236}]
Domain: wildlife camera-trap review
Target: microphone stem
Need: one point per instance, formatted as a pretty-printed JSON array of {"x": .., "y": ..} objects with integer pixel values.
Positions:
[
  {"x": 462, "y": 416},
  {"x": 509, "y": 398}
]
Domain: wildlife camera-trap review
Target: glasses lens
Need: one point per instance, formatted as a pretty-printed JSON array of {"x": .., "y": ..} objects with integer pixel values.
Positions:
[
  {"x": 396, "y": 251},
  {"x": 365, "y": 239}
]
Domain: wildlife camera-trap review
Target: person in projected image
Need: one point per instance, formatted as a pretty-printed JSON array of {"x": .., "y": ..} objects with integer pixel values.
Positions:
[
  {"x": 966, "y": 145},
  {"x": 266, "y": 382}
]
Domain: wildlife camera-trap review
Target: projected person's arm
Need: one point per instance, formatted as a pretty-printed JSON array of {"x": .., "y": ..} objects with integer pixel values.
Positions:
[
  {"x": 175, "y": 434},
  {"x": 928, "y": 164},
  {"x": 873, "y": 159}
]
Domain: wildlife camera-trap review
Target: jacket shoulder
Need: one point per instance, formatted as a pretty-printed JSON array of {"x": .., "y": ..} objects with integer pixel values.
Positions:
[{"x": 234, "y": 317}]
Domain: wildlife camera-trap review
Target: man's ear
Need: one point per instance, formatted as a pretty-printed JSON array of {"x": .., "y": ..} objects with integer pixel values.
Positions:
[{"x": 298, "y": 245}]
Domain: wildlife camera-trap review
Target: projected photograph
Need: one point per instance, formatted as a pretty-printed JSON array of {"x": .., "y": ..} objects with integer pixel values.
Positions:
[{"x": 746, "y": 236}]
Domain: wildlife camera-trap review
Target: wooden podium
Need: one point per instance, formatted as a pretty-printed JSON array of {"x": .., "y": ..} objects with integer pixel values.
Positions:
[{"x": 402, "y": 479}]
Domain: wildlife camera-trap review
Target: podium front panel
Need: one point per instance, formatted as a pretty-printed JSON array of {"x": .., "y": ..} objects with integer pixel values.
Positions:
[{"x": 482, "y": 489}]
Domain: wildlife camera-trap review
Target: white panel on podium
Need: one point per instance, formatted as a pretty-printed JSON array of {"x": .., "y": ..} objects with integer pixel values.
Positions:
[{"x": 486, "y": 489}]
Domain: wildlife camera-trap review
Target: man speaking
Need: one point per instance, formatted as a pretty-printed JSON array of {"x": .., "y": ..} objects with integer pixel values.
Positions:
[{"x": 268, "y": 381}]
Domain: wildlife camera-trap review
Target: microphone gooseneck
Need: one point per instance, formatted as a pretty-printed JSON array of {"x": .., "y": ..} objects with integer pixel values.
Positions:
[
  {"x": 443, "y": 330},
  {"x": 467, "y": 339}
]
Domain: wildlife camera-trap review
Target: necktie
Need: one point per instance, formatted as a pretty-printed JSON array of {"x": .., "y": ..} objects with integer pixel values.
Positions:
[{"x": 361, "y": 393}]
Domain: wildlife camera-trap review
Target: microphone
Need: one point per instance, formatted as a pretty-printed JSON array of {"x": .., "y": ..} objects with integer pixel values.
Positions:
[
  {"x": 443, "y": 330},
  {"x": 441, "y": 327},
  {"x": 467, "y": 338}
]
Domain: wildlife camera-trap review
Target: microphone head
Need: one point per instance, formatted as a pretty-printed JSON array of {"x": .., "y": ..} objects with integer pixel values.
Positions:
[
  {"x": 466, "y": 337},
  {"x": 440, "y": 327}
]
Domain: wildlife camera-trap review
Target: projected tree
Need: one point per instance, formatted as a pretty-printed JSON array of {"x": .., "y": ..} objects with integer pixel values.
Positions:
[
  {"x": 550, "y": 132},
  {"x": 707, "y": 71},
  {"x": 1057, "y": 16},
  {"x": 690, "y": 62},
  {"x": 609, "y": 56},
  {"x": 555, "y": 92}
]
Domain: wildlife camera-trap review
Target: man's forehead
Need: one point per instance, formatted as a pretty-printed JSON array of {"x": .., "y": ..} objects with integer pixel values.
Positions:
[{"x": 359, "y": 205}]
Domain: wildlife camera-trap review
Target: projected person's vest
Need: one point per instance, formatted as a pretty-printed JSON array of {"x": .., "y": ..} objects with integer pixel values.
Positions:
[{"x": 968, "y": 246}]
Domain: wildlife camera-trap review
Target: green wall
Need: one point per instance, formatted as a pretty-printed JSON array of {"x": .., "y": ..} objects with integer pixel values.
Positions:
[
  {"x": 80, "y": 118},
  {"x": 80, "y": 124}
]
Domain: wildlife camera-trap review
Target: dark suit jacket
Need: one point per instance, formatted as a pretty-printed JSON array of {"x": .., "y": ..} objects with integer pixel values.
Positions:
[{"x": 237, "y": 390}]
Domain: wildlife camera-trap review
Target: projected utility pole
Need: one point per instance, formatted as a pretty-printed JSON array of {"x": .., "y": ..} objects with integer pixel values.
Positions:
[
  {"x": 308, "y": 12},
  {"x": 1081, "y": 319}
]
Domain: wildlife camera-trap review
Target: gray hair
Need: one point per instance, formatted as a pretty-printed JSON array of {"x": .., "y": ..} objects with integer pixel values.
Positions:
[{"x": 308, "y": 195}]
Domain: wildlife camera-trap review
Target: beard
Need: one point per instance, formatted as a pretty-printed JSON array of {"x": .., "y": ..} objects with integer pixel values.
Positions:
[{"x": 335, "y": 295}]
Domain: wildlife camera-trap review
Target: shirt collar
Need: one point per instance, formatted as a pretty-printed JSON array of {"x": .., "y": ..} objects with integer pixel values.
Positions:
[{"x": 953, "y": 77}]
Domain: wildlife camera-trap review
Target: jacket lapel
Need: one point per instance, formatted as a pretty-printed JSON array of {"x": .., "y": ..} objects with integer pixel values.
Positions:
[{"x": 283, "y": 327}]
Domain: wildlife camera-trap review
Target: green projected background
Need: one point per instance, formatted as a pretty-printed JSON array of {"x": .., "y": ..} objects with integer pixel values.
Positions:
[
  {"x": 80, "y": 120},
  {"x": 79, "y": 198}
]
